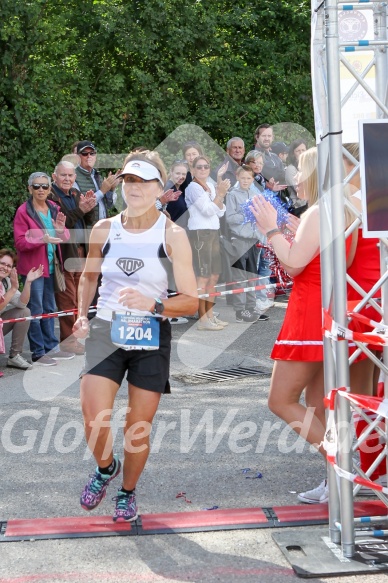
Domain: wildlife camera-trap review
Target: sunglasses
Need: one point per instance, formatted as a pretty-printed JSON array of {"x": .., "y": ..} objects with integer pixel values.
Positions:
[
  {"x": 43, "y": 186},
  {"x": 131, "y": 178},
  {"x": 88, "y": 154},
  {"x": 202, "y": 167}
]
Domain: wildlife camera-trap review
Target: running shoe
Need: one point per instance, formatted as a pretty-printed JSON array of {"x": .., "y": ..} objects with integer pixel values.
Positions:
[
  {"x": 260, "y": 317},
  {"x": 126, "y": 509},
  {"x": 44, "y": 360},
  {"x": 219, "y": 322},
  {"x": 246, "y": 316},
  {"x": 208, "y": 326},
  {"x": 178, "y": 320},
  {"x": 62, "y": 355},
  {"x": 18, "y": 361},
  {"x": 264, "y": 305},
  {"x": 318, "y": 495},
  {"x": 95, "y": 490}
]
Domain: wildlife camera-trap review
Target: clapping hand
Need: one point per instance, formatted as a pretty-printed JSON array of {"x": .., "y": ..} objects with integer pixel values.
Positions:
[
  {"x": 265, "y": 214},
  {"x": 169, "y": 196},
  {"x": 87, "y": 202},
  {"x": 13, "y": 276},
  {"x": 110, "y": 182},
  {"x": 35, "y": 273},
  {"x": 223, "y": 187},
  {"x": 59, "y": 223},
  {"x": 53, "y": 240},
  {"x": 275, "y": 186},
  {"x": 222, "y": 171}
]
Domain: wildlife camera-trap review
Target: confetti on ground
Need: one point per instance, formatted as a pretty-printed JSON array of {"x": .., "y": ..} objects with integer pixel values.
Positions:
[{"x": 183, "y": 495}]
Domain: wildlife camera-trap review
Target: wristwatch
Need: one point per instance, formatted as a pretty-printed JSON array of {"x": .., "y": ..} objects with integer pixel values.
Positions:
[{"x": 159, "y": 307}]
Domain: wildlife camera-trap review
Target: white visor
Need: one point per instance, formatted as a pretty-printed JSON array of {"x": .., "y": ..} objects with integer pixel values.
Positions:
[{"x": 143, "y": 170}]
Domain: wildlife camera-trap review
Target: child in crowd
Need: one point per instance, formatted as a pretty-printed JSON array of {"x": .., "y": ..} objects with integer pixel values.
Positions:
[{"x": 244, "y": 239}]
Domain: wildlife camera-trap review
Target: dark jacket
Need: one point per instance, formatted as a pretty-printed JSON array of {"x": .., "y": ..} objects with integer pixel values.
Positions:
[
  {"x": 107, "y": 199},
  {"x": 76, "y": 221}
]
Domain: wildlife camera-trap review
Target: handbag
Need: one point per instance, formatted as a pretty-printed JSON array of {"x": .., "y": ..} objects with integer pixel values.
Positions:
[{"x": 59, "y": 277}]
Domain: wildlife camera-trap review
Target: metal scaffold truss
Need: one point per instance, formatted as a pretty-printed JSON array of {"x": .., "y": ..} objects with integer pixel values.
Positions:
[{"x": 349, "y": 76}]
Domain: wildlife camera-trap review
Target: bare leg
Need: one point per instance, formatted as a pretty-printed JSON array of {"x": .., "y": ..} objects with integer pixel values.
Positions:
[
  {"x": 362, "y": 377},
  {"x": 97, "y": 398},
  {"x": 289, "y": 379},
  {"x": 209, "y": 290},
  {"x": 143, "y": 405},
  {"x": 202, "y": 283}
]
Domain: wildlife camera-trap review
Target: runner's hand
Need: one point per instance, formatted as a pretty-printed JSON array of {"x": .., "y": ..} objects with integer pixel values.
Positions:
[
  {"x": 131, "y": 298},
  {"x": 81, "y": 327}
]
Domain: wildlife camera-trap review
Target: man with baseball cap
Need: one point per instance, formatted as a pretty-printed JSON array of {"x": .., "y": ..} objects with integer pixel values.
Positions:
[{"x": 88, "y": 178}]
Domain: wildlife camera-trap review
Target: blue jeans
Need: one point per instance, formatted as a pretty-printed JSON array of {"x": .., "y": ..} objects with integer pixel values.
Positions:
[
  {"x": 42, "y": 301},
  {"x": 263, "y": 272}
]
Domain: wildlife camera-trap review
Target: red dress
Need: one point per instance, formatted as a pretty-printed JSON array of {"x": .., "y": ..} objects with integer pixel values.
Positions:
[
  {"x": 300, "y": 337},
  {"x": 365, "y": 270}
]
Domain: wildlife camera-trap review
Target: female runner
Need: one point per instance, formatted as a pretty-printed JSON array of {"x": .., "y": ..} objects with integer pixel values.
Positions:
[{"x": 131, "y": 334}]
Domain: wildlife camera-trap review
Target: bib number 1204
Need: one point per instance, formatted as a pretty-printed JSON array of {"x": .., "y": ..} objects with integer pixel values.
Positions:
[
  {"x": 131, "y": 333},
  {"x": 135, "y": 332}
]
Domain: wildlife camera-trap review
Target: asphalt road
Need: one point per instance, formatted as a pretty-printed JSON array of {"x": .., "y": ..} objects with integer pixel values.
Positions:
[{"x": 204, "y": 435}]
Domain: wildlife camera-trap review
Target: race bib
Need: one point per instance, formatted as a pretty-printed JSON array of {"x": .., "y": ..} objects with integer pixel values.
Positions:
[{"x": 135, "y": 332}]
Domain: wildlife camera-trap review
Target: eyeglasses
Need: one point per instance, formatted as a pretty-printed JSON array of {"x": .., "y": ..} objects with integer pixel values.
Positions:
[
  {"x": 131, "y": 178},
  {"x": 6, "y": 265},
  {"x": 84, "y": 154},
  {"x": 202, "y": 167},
  {"x": 43, "y": 186}
]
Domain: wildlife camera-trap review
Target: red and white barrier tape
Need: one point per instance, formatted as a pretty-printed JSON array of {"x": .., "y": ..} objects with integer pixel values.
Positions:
[
  {"x": 72, "y": 312},
  {"x": 336, "y": 332},
  {"x": 243, "y": 290},
  {"x": 330, "y": 442}
]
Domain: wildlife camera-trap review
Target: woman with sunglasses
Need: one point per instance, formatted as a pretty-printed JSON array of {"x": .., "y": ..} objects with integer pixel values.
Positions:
[
  {"x": 39, "y": 229},
  {"x": 205, "y": 203},
  {"x": 130, "y": 335}
]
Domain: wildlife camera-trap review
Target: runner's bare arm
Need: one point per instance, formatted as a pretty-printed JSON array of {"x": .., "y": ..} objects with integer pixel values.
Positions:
[{"x": 89, "y": 278}]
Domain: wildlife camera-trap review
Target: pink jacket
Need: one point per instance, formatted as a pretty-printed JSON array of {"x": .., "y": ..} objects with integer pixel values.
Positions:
[{"x": 28, "y": 234}]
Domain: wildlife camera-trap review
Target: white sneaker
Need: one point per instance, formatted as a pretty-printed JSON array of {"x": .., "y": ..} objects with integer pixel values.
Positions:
[
  {"x": 381, "y": 481},
  {"x": 18, "y": 361},
  {"x": 218, "y": 322},
  {"x": 179, "y": 320},
  {"x": 208, "y": 325},
  {"x": 264, "y": 305},
  {"x": 319, "y": 495}
]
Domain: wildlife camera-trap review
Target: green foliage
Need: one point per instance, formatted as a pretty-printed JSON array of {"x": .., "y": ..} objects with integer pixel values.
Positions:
[{"x": 128, "y": 72}]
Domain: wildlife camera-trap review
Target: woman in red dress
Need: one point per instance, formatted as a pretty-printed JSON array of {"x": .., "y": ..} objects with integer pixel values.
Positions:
[{"x": 298, "y": 350}]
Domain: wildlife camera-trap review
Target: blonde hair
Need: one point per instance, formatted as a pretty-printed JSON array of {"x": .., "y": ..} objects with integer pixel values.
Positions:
[
  {"x": 308, "y": 162},
  {"x": 308, "y": 165},
  {"x": 353, "y": 149}
]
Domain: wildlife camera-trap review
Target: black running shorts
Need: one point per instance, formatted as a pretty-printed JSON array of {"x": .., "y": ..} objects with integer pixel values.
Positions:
[{"x": 146, "y": 369}]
